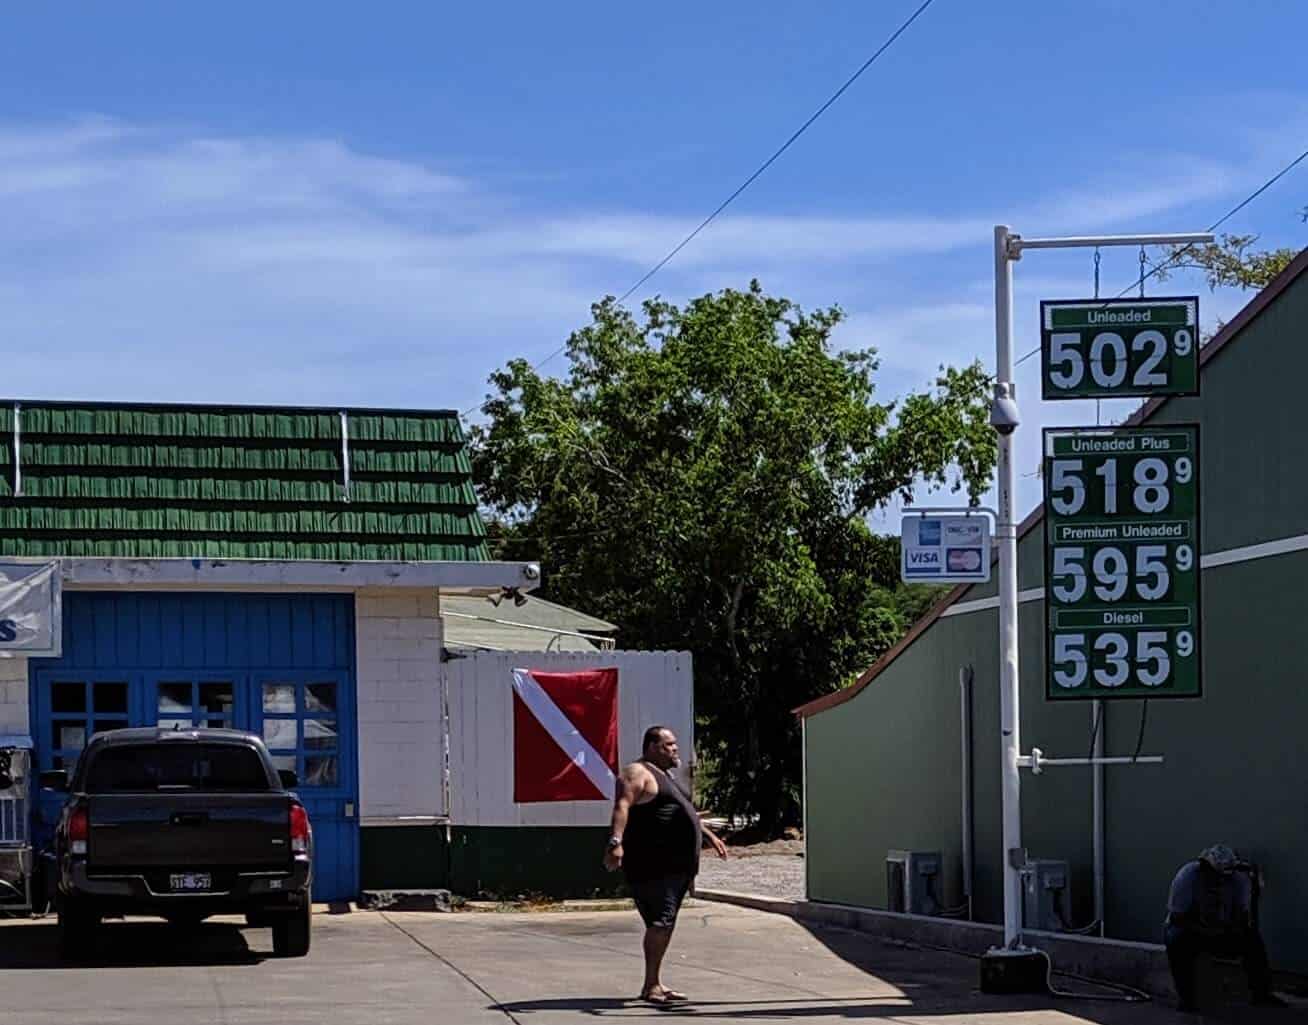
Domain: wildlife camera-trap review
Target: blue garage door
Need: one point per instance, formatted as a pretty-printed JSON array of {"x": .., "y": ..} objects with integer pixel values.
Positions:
[{"x": 276, "y": 665}]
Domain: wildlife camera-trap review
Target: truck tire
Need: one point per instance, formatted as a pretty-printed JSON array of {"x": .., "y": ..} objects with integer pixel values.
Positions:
[
  {"x": 76, "y": 930},
  {"x": 291, "y": 932}
]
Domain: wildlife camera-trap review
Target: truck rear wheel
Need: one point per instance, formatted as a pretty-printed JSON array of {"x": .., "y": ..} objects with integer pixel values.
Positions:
[
  {"x": 291, "y": 932},
  {"x": 76, "y": 930}
]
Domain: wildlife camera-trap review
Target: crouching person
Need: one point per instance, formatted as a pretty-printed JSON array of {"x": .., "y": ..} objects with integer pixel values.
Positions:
[{"x": 1212, "y": 908}]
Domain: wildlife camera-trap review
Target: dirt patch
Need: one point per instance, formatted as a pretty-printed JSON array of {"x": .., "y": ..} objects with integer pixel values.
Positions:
[
  {"x": 750, "y": 843},
  {"x": 793, "y": 848}
]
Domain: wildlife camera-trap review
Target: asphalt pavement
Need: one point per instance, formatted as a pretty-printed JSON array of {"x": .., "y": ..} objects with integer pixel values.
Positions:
[{"x": 559, "y": 968}]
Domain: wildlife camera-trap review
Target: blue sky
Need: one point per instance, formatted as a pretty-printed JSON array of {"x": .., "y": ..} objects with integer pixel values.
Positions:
[{"x": 322, "y": 204}]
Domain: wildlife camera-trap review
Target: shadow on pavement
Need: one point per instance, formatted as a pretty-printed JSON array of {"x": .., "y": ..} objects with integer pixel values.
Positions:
[
  {"x": 730, "y": 1010},
  {"x": 944, "y": 982},
  {"x": 128, "y": 945}
]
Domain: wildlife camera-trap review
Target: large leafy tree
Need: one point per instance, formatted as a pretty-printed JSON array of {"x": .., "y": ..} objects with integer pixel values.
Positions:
[{"x": 703, "y": 477}]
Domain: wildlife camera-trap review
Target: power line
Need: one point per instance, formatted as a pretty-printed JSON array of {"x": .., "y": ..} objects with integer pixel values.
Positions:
[
  {"x": 782, "y": 149},
  {"x": 1180, "y": 253},
  {"x": 759, "y": 172}
]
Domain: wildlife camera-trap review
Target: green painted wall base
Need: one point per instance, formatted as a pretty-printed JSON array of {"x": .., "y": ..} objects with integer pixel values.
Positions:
[{"x": 561, "y": 862}]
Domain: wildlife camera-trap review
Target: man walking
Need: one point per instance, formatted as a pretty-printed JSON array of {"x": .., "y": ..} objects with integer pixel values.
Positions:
[
  {"x": 655, "y": 838},
  {"x": 1213, "y": 908}
]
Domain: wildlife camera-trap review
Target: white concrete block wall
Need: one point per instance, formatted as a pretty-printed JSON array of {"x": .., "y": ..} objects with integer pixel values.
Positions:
[
  {"x": 14, "y": 715},
  {"x": 398, "y": 650}
]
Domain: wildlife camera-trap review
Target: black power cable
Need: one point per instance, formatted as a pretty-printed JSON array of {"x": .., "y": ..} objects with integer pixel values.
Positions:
[
  {"x": 1144, "y": 718},
  {"x": 1180, "y": 253},
  {"x": 1094, "y": 733},
  {"x": 762, "y": 168}
]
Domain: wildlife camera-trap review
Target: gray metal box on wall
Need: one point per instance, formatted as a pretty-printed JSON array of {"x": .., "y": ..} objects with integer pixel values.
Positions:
[
  {"x": 911, "y": 882},
  {"x": 1046, "y": 895}
]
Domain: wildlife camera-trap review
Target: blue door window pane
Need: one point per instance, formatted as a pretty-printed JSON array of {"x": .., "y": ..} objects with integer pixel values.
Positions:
[
  {"x": 109, "y": 698},
  {"x": 280, "y": 734},
  {"x": 68, "y": 735},
  {"x": 217, "y": 699},
  {"x": 68, "y": 697},
  {"x": 174, "y": 699},
  {"x": 320, "y": 734},
  {"x": 279, "y": 698},
  {"x": 320, "y": 697},
  {"x": 320, "y": 772}
]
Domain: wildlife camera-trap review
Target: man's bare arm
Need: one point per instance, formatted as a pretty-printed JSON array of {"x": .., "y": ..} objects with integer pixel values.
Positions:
[
  {"x": 714, "y": 840},
  {"x": 627, "y": 791}
]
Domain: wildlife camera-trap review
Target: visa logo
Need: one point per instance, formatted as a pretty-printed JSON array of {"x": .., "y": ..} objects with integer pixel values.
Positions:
[{"x": 924, "y": 558}]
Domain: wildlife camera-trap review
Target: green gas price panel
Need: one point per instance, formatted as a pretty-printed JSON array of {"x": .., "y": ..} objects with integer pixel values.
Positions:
[{"x": 1122, "y": 575}]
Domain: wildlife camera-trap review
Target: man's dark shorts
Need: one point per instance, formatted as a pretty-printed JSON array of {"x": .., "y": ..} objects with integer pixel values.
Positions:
[{"x": 659, "y": 900}]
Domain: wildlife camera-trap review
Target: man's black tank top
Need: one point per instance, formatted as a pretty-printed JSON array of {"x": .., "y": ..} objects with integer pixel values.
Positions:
[{"x": 663, "y": 836}]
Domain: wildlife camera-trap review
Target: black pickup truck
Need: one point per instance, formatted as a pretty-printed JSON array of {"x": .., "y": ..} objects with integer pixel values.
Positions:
[{"x": 182, "y": 824}]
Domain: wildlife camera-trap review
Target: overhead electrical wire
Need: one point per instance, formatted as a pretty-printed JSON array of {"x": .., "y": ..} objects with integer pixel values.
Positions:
[
  {"x": 794, "y": 136},
  {"x": 1172, "y": 260}
]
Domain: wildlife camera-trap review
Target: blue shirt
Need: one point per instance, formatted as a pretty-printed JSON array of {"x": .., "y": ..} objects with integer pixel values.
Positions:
[{"x": 1214, "y": 903}]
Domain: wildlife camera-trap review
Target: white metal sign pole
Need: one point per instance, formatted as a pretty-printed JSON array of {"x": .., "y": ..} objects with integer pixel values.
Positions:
[{"x": 1004, "y": 418}]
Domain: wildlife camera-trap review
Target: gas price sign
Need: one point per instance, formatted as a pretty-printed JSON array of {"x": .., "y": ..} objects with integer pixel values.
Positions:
[
  {"x": 1122, "y": 562},
  {"x": 1111, "y": 348}
]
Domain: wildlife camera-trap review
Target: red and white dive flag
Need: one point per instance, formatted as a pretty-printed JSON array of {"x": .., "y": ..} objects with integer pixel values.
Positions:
[{"x": 565, "y": 735}]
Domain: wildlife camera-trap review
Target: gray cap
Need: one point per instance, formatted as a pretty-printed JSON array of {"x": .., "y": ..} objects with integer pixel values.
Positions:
[{"x": 1220, "y": 857}]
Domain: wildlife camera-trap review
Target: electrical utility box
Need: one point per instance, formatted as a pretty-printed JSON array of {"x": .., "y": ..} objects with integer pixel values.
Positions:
[
  {"x": 1046, "y": 895},
  {"x": 913, "y": 882}
]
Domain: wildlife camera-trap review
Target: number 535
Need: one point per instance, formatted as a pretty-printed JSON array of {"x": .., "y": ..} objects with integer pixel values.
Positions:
[{"x": 1152, "y": 661}]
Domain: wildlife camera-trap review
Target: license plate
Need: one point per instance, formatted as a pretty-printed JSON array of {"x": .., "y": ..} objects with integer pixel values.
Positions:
[{"x": 191, "y": 881}]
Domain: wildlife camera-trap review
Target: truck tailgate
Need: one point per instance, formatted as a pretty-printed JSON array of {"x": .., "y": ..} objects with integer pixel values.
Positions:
[{"x": 188, "y": 830}]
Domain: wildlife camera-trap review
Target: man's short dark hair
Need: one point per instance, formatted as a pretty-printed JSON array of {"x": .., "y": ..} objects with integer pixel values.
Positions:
[{"x": 653, "y": 736}]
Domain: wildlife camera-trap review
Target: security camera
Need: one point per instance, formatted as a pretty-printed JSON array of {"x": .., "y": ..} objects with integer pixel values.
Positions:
[
  {"x": 1004, "y": 417},
  {"x": 531, "y": 571}
]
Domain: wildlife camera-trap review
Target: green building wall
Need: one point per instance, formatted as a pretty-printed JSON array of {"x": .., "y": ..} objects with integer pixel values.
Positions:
[{"x": 884, "y": 769}]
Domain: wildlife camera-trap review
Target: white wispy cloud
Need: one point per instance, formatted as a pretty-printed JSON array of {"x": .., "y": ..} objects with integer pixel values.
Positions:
[{"x": 144, "y": 262}]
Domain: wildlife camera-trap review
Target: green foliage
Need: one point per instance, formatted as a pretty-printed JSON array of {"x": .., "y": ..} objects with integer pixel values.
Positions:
[
  {"x": 1231, "y": 262},
  {"x": 703, "y": 478}
]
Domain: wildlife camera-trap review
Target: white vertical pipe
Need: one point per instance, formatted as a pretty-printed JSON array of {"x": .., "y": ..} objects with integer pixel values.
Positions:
[
  {"x": 345, "y": 454},
  {"x": 965, "y": 704},
  {"x": 1006, "y": 536},
  {"x": 18, "y": 449},
  {"x": 803, "y": 790},
  {"x": 1098, "y": 711}
]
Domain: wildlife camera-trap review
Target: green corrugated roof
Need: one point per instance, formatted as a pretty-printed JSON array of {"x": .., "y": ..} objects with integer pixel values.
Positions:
[{"x": 172, "y": 481}]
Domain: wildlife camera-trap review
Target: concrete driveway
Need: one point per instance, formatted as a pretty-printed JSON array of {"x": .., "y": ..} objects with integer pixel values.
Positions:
[{"x": 544, "y": 969}]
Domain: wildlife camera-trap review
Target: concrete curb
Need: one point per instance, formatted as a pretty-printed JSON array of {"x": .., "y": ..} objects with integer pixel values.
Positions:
[{"x": 1139, "y": 965}]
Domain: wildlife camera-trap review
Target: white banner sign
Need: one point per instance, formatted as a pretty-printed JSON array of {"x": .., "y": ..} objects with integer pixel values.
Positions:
[
  {"x": 31, "y": 621},
  {"x": 945, "y": 549}
]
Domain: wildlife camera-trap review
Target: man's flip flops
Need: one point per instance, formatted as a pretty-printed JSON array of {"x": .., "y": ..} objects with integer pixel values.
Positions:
[{"x": 667, "y": 996}]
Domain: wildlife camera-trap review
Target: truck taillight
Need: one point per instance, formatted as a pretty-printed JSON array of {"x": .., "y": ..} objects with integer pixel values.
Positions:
[
  {"x": 79, "y": 830},
  {"x": 299, "y": 829}
]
